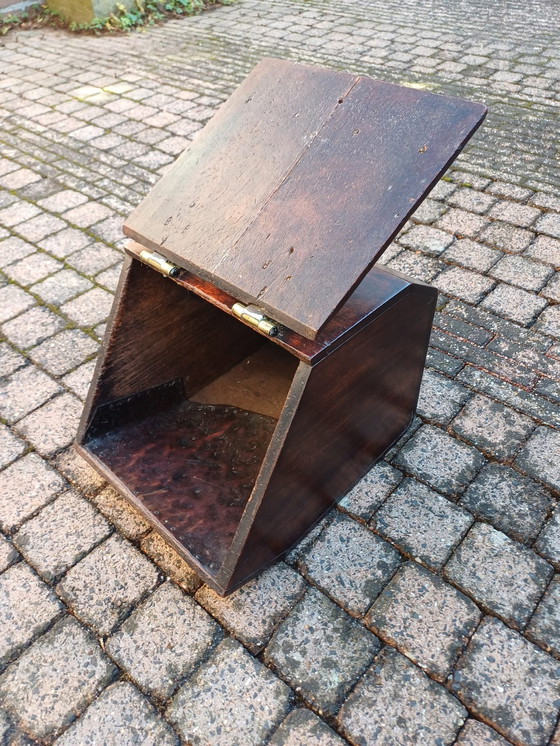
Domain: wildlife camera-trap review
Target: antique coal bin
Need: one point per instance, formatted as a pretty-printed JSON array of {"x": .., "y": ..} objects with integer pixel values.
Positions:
[{"x": 257, "y": 363}]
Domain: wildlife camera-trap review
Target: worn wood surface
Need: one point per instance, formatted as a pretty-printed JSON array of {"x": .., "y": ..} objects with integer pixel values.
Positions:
[{"x": 299, "y": 183}]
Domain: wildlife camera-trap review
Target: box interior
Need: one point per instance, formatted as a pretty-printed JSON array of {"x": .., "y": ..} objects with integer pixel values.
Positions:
[{"x": 190, "y": 453}]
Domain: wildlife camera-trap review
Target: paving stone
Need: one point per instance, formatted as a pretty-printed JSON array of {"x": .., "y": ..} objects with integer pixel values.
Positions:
[
  {"x": 32, "y": 327},
  {"x": 464, "y": 284},
  {"x": 17, "y": 213},
  {"x": 65, "y": 242},
  {"x": 513, "y": 303},
  {"x": 422, "y": 523},
  {"x": 426, "y": 619},
  {"x": 8, "y": 554},
  {"x": 53, "y": 426},
  {"x": 475, "y": 733},
  {"x": 27, "y": 607},
  {"x": 87, "y": 214},
  {"x": 370, "y": 492},
  {"x": 67, "y": 655},
  {"x": 495, "y": 678},
  {"x": 548, "y": 541},
  {"x": 232, "y": 699},
  {"x": 90, "y": 308},
  {"x": 427, "y": 239},
  {"x": 13, "y": 300},
  {"x": 10, "y": 361},
  {"x": 429, "y": 211},
  {"x": 493, "y": 427},
  {"x": 163, "y": 640},
  {"x": 79, "y": 472},
  {"x": 462, "y": 223},
  {"x": 65, "y": 351},
  {"x": 504, "y": 576},
  {"x": 33, "y": 268},
  {"x": 24, "y": 391},
  {"x": 522, "y": 272},
  {"x": 121, "y": 715},
  {"x": 395, "y": 703},
  {"x": 438, "y": 459},
  {"x": 10, "y": 446},
  {"x": 416, "y": 265},
  {"x": 544, "y": 626},
  {"x": 303, "y": 727},
  {"x": 254, "y": 611},
  {"x": 545, "y": 249},
  {"x": 26, "y": 486},
  {"x": 12, "y": 249},
  {"x": 305, "y": 650},
  {"x": 350, "y": 563},
  {"x": 540, "y": 456},
  {"x": 471, "y": 200},
  {"x": 472, "y": 255},
  {"x": 552, "y": 289},
  {"x": 170, "y": 562},
  {"x": 513, "y": 212},
  {"x": 104, "y": 586},
  {"x": 549, "y": 224},
  {"x": 549, "y": 321},
  {"x": 94, "y": 258},
  {"x": 79, "y": 380},
  {"x": 514, "y": 504},
  {"x": 60, "y": 287},
  {"x": 507, "y": 237},
  {"x": 63, "y": 200},
  {"x": 40, "y": 227},
  {"x": 60, "y": 535},
  {"x": 440, "y": 398},
  {"x": 121, "y": 514}
]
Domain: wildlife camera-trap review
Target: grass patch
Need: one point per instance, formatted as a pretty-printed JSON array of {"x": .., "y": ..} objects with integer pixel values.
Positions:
[{"x": 143, "y": 13}]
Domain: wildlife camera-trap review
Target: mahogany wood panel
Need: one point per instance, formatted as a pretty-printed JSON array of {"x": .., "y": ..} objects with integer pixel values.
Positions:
[
  {"x": 299, "y": 183},
  {"x": 356, "y": 404}
]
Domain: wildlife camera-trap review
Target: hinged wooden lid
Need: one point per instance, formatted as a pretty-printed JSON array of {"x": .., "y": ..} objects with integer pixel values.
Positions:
[{"x": 298, "y": 184}]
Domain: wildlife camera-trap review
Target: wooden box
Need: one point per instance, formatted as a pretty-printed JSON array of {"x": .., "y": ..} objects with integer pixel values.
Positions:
[{"x": 257, "y": 363}]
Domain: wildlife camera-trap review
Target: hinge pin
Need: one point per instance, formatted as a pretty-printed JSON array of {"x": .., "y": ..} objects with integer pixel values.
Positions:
[
  {"x": 254, "y": 316},
  {"x": 159, "y": 262}
]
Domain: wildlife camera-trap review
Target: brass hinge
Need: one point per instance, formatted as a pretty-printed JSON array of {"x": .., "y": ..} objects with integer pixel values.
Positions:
[
  {"x": 254, "y": 316},
  {"x": 159, "y": 262}
]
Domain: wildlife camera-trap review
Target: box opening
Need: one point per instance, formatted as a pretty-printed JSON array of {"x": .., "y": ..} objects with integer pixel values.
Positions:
[{"x": 191, "y": 455}]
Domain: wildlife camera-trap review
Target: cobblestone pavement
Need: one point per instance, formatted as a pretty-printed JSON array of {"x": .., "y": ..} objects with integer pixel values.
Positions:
[{"x": 425, "y": 611}]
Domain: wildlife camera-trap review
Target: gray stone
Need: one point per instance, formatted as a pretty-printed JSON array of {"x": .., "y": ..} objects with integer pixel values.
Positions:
[
  {"x": 350, "y": 563},
  {"x": 495, "y": 679},
  {"x": 53, "y": 426},
  {"x": 444, "y": 462},
  {"x": 103, "y": 587},
  {"x": 544, "y": 626},
  {"x": 10, "y": 361},
  {"x": 232, "y": 699},
  {"x": 472, "y": 255},
  {"x": 464, "y": 284},
  {"x": 13, "y": 300},
  {"x": 471, "y": 200},
  {"x": 26, "y": 486},
  {"x": 303, "y": 727},
  {"x": 549, "y": 321},
  {"x": 514, "y": 504},
  {"x": 548, "y": 542},
  {"x": 67, "y": 655},
  {"x": 540, "y": 457},
  {"x": 514, "y": 304},
  {"x": 493, "y": 427},
  {"x": 24, "y": 391},
  {"x": 79, "y": 472},
  {"x": 370, "y": 492},
  {"x": 44, "y": 540},
  {"x": 90, "y": 308},
  {"x": 169, "y": 561},
  {"x": 549, "y": 224},
  {"x": 427, "y": 239},
  {"x": 462, "y": 223},
  {"x": 27, "y": 607},
  {"x": 506, "y": 236},
  {"x": 502, "y": 575},
  {"x": 33, "y": 268},
  {"x": 475, "y": 733},
  {"x": 121, "y": 513},
  {"x": 440, "y": 398},
  {"x": 305, "y": 650},
  {"x": 60, "y": 287},
  {"x": 10, "y": 447},
  {"x": 64, "y": 352},
  {"x": 395, "y": 703},
  {"x": 423, "y": 524},
  {"x": 254, "y": 611},
  {"x": 32, "y": 327},
  {"x": 522, "y": 272},
  {"x": 545, "y": 249},
  {"x": 163, "y": 640},
  {"x": 79, "y": 380},
  {"x": 424, "y": 618},
  {"x": 512, "y": 212},
  {"x": 120, "y": 716},
  {"x": 8, "y": 554}
]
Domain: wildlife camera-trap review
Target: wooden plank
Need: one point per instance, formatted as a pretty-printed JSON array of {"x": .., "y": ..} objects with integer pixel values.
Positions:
[{"x": 215, "y": 190}]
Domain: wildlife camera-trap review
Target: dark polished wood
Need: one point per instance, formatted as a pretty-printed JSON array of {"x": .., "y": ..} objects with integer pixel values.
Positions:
[{"x": 298, "y": 184}]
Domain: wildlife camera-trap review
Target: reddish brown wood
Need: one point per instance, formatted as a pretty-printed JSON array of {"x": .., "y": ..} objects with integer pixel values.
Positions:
[{"x": 299, "y": 183}]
